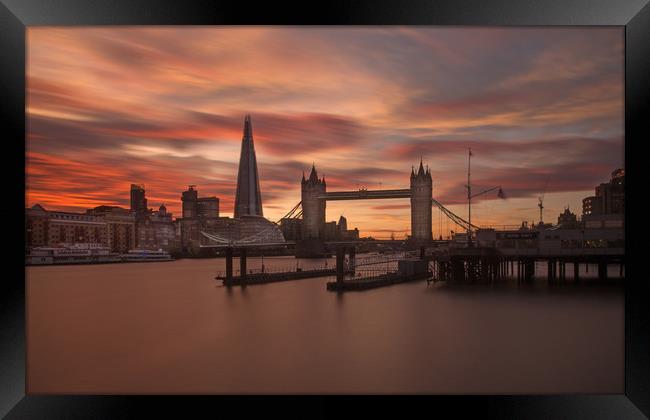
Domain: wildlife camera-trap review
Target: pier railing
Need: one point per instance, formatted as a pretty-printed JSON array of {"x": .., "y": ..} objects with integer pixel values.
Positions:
[
  {"x": 266, "y": 270},
  {"x": 385, "y": 258}
]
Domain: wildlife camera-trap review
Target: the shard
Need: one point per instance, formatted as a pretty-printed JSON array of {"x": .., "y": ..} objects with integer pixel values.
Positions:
[{"x": 248, "y": 200}]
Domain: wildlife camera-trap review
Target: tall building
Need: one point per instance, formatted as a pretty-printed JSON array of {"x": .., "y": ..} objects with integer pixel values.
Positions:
[
  {"x": 198, "y": 212},
  {"x": 189, "y": 199},
  {"x": 138, "y": 200},
  {"x": 421, "y": 195},
  {"x": 198, "y": 207},
  {"x": 313, "y": 208},
  {"x": 343, "y": 224},
  {"x": 248, "y": 199},
  {"x": 207, "y": 207},
  {"x": 609, "y": 198},
  {"x": 606, "y": 209}
]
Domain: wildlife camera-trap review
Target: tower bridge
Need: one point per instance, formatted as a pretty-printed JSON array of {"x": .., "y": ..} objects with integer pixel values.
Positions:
[
  {"x": 311, "y": 209},
  {"x": 314, "y": 196}
]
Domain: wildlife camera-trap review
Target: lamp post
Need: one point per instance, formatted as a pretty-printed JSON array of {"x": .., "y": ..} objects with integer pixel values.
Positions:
[{"x": 470, "y": 196}]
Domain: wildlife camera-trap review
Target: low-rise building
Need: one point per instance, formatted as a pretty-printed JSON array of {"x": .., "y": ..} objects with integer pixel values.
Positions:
[
  {"x": 329, "y": 231},
  {"x": 111, "y": 226},
  {"x": 47, "y": 228},
  {"x": 198, "y": 213},
  {"x": 291, "y": 228},
  {"x": 333, "y": 231},
  {"x": 157, "y": 230},
  {"x": 121, "y": 227},
  {"x": 555, "y": 238},
  {"x": 568, "y": 220}
]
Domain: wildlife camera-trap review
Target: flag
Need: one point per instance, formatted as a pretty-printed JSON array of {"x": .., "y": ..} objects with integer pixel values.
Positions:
[{"x": 501, "y": 194}]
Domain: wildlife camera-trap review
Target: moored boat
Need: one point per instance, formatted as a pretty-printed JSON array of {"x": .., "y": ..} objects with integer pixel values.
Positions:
[
  {"x": 80, "y": 253},
  {"x": 144, "y": 255}
]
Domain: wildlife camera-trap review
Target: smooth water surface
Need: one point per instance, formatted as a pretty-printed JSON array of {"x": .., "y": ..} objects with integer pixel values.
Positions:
[{"x": 169, "y": 327}]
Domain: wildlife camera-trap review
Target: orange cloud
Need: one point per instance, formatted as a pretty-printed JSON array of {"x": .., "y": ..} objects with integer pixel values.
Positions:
[{"x": 164, "y": 106}]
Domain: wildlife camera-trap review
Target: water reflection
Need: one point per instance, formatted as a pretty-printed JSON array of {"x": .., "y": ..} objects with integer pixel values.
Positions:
[{"x": 166, "y": 328}]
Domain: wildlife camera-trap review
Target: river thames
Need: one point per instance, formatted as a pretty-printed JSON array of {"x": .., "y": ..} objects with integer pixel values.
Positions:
[{"x": 170, "y": 327}]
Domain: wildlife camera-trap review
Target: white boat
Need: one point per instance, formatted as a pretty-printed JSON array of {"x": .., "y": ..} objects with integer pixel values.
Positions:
[
  {"x": 80, "y": 253},
  {"x": 141, "y": 255}
]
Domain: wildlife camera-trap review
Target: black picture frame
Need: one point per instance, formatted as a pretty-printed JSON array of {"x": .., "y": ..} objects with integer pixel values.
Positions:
[{"x": 16, "y": 15}]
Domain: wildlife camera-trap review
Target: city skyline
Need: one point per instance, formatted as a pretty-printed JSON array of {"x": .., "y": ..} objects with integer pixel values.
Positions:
[{"x": 542, "y": 108}]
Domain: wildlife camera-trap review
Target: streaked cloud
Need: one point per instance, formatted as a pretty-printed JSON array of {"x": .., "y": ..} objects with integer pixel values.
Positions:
[{"x": 164, "y": 106}]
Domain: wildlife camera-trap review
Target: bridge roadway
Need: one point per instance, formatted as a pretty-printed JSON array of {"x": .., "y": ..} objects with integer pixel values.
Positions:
[{"x": 366, "y": 194}]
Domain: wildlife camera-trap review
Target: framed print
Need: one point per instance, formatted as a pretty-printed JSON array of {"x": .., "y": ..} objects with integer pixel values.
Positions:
[{"x": 419, "y": 205}]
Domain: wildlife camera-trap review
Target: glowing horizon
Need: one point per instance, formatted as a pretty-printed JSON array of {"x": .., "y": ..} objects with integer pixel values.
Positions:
[{"x": 542, "y": 109}]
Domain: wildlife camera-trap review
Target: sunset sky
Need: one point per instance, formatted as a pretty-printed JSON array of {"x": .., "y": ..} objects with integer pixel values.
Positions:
[{"x": 542, "y": 108}]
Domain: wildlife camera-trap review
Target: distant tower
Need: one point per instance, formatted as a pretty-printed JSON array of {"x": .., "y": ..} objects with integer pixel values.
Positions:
[
  {"x": 343, "y": 223},
  {"x": 189, "y": 199},
  {"x": 138, "y": 200},
  {"x": 313, "y": 208},
  {"x": 421, "y": 195},
  {"x": 248, "y": 200}
]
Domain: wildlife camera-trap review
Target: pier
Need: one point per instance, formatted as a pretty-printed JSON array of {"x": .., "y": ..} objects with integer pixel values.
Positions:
[
  {"x": 376, "y": 281},
  {"x": 271, "y": 277},
  {"x": 487, "y": 265},
  {"x": 466, "y": 265},
  {"x": 248, "y": 277},
  {"x": 409, "y": 268}
]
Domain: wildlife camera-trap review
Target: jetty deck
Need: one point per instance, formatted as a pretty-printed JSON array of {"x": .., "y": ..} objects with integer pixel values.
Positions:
[
  {"x": 376, "y": 281},
  {"x": 271, "y": 277}
]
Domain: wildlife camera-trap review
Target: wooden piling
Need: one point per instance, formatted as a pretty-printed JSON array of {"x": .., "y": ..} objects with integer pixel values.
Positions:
[
  {"x": 352, "y": 264},
  {"x": 242, "y": 265},
  {"x": 530, "y": 268},
  {"x": 602, "y": 270},
  {"x": 228, "y": 266},
  {"x": 340, "y": 257}
]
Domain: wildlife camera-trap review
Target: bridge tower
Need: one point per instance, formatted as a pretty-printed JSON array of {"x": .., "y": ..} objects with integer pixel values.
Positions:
[
  {"x": 421, "y": 195},
  {"x": 313, "y": 208}
]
